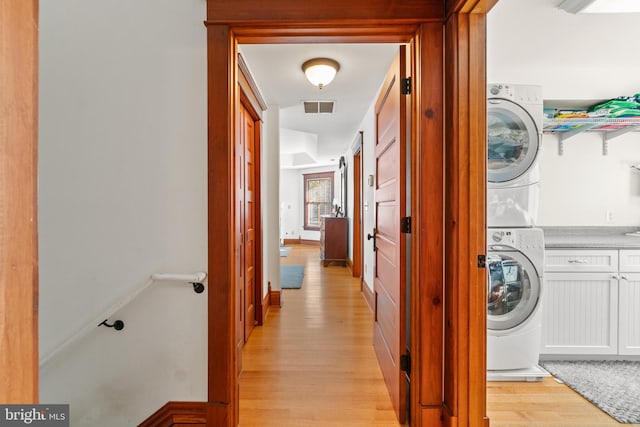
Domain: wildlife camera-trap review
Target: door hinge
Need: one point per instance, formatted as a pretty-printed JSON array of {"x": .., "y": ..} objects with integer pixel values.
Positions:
[
  {"x": 405, "y": 225},
  {"x": 405, "y": 363},
  {"x": 406, "y": 86},
  {"x": 482, "y": 261}
]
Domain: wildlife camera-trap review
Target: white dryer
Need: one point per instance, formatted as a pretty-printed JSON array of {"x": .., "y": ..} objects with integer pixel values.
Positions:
[
  {"x": 514, "y": 135},
  {"x": 515, "y": 259}
]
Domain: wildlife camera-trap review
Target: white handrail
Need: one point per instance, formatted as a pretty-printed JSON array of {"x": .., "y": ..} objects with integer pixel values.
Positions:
[
  {"x": 190, "y": 278},
  {"x": 113, "y": 309}
]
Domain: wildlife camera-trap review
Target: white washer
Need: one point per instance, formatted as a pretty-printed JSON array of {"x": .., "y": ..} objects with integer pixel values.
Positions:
[
  {"x": 515, "y": 258},
  {"x": 514, "y": 136}
]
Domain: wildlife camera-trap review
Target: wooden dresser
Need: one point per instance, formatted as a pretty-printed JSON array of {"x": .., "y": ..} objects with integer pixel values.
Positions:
[{"x": 333, "y": 239}]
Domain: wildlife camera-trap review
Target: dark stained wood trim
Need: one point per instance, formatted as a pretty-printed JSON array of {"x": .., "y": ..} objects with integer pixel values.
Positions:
[
  {"x": 178, "y": 414},
  {"x": 468, "y": 6},
  {"x": 250, "y": 88},
  {"x": 465, "y": 283},
  {"x": 373, "y": 11},
  {"x": 275, "y": 299},
  {"x": 310, "y": 32},
  {"x": 257, "y": 195},
  {"x": 251, "y": 101},
  {"x": 349, "y": 264},
  {"x": 18, "y": 201},
  {"x": 451, "y": 162},
  {"x": 222, "y": 363},
  {"x": 477, "y": 333},
  {"x": 358, "y": 184},
  {"x": 367, "y": 293},
  {"x": 428, "y": 241}
]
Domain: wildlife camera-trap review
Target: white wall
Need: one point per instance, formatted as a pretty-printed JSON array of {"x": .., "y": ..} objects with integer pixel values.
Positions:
[
  {"x": 270, "y": 193},
  {"x": 122, "y": 176},
  {"x": 578, "y": 58},
  {"x": 292, "y": 201},
  {"x": 368, "y": 127},
  {"x": 581, "y": 186},
  {"x": 572, "y": 56}
]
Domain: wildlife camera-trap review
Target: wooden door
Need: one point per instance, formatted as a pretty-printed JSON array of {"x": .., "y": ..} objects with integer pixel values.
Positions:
[
  {"x": 389, "y": 281},
  {"x": 248, "y": 135},
  {"x": 245, "y": 222},
  {"x": 239, "y": 219}
]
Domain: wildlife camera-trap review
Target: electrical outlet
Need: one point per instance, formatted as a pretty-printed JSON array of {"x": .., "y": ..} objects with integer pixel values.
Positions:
[{"x": 609, "y": 216}]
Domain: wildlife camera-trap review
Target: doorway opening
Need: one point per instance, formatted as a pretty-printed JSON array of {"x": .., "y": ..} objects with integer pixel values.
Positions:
[{"x": 312, "y": 145}]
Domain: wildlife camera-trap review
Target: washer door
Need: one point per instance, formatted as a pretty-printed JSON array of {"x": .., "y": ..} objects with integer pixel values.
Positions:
[
  {"x": 512, "y": 138},
  {"x": 514, "y": 289}
]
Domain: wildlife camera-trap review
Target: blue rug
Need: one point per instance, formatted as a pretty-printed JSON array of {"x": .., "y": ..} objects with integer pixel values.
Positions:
[
  {"x": 291, "y": 276},
  {"x": 284, "y": 251}
]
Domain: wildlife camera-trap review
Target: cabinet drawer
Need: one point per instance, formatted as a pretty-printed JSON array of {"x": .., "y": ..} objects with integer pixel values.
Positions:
[
  {"x": 576, "y": 260},
  {"x": 630, "y": 261}
]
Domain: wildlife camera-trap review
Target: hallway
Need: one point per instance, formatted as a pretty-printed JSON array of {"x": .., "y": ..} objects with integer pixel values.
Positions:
[{"x": 313, "y": 363}]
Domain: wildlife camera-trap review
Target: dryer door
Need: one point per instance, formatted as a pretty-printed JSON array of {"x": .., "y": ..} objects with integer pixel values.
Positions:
[
  {"x": 512, "y": 140},
  {"x": 514, "y": 289}
]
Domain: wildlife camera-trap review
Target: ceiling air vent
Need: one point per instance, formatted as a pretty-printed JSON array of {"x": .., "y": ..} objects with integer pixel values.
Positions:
[{"x": 317, "y": 107}]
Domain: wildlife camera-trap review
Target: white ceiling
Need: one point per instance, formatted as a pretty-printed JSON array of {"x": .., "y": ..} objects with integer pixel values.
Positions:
[{"x": 278, "y": 73}]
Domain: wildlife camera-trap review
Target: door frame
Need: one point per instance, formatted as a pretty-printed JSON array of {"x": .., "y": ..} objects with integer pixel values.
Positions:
[
  {"x": 356, "y": 264},
  {"x": 448, "y": 143},
  {"x": 253, "y": 101}
]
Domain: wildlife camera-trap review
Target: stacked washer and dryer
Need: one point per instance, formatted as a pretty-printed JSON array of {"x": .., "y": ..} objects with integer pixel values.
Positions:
[{"x": 515, "y": 247}]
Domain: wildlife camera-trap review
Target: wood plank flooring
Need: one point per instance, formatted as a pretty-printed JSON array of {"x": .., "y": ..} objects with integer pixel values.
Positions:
[{"x": 313, "y": 364}]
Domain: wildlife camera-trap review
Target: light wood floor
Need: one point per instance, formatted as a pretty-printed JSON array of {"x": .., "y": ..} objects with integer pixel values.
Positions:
[{"x": 313, "y": 364}]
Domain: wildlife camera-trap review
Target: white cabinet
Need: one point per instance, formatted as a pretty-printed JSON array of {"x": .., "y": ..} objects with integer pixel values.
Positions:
[
  {"x": 629, "y": 314},
  {"x": 591, "y": 302},
  {"x": 580, "y": 313}
]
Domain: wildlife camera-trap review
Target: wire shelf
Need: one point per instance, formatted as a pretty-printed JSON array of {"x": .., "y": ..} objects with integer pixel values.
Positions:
[{"x": 610, "y": 128}]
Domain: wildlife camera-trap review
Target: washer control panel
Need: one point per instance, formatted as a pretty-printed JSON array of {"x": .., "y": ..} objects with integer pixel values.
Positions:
[
  {"x": 525, "y": 94},
  {"x": 521, "y": 239},
  {"x": 504, "y": 238}
]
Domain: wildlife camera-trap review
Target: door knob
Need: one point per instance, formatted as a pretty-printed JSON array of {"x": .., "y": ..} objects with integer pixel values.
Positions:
[{"x": 372, "y": 236}]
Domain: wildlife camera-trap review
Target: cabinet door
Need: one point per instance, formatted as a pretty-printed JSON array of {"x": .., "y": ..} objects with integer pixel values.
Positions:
[
  {"x": 629, "y": 324},
  {"x": 580, "y": 313},
  {"x": 581, "y": 260}
]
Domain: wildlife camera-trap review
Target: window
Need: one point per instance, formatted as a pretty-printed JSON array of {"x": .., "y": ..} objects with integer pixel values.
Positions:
[{"x": 318, "y": 198}]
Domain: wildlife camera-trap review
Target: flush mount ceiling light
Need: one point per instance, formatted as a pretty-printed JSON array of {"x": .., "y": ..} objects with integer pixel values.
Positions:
[
  {"x": 601, "y": 6},
  {"x": 320, "y": 71}
]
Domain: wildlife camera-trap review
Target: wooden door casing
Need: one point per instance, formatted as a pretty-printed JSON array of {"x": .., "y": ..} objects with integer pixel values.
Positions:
[
  {"x": 389, "y": 335},
  {"x": 421, "y": 22},
  {"x": 357, "y": 212},
  {"x": 249, "y": 226}
]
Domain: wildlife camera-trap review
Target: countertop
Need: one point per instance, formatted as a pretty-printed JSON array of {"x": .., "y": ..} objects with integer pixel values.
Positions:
[{"x": 591, "y": 237}]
